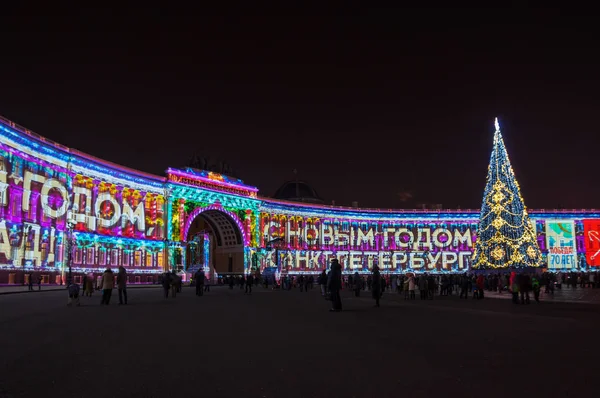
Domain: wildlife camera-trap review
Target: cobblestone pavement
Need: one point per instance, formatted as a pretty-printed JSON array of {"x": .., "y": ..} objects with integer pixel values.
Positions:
[{"x": 287, "y": 344}]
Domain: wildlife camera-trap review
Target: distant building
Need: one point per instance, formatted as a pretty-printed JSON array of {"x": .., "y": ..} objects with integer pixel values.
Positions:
[
  {"x": 430, "y": 206},
  {"x": 298, "y": 191}
]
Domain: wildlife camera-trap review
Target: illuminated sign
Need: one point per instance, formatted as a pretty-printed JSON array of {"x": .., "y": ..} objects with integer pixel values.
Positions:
[
  {"x": 310, "y": 243},
  {"x": 560, "y": 240}
]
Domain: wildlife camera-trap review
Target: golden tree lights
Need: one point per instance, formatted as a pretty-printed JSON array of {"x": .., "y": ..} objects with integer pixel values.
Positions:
[{"x": 506, "y": 236}]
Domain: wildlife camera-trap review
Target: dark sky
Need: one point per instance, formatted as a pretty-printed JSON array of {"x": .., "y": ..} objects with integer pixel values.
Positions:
[{"x": 364, "y": 103}]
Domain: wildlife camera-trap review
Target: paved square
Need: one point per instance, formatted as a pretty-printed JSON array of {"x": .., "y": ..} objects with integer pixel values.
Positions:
[{"x": 287, "y": 344}]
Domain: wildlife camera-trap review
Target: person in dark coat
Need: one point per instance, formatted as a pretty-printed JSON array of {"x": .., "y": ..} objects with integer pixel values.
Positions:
[
  {"x": 464, "y": 286},
  {"x": 376, "y": 285},
  {"x": 323, "y": 282},
  {"x": 166, "y": 283},
  {"x": 357, "y": 284},
  {"x": 199, "y": 279},
  {"x": 249, "y": 283},
  {"x": 334, "y": 284},
  {"x": 524, "y": 281},
  {"x": 122, "y": 285}
]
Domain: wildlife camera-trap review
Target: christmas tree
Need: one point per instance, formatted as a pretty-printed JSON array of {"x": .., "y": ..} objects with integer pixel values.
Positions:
[{"x": 505, "y": 236}]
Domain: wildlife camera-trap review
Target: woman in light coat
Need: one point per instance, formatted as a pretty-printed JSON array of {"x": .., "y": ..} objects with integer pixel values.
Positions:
[
  {"x": 107, "y": 283},
  {"x": 411, "y": 286}
]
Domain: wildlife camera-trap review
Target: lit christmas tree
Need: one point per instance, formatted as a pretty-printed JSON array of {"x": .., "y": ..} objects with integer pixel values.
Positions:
[{"x": 505, "y": 236}]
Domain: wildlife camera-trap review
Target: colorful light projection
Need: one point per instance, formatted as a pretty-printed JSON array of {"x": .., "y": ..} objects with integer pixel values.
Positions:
[
  {"x": 41, "y": 188},
  {"x": 116, "y": 210},
  {"x": 210, "y": 180},
  {"x": 561, "y": 242},
  {"x": 591, "y": 239},
  {"x": 309, "y": 243},
  {"x": 93, "y": 251}
]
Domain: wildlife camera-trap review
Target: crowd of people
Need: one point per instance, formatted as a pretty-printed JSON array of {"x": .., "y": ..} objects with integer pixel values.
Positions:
[{"x": 521, "y": 285}]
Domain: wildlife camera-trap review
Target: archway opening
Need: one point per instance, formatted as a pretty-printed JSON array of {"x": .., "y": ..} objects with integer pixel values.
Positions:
[{"x": 215, "y": 242}]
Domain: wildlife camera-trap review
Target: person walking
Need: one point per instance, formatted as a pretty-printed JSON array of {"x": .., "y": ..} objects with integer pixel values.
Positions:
[
  {"x": 334, "y": 284},
  {"x": 376, "y": 291},
  {"x": 107, "y": 283},
  {"x": 199, "y": 279},
  {"x": 122, "y": 285}
]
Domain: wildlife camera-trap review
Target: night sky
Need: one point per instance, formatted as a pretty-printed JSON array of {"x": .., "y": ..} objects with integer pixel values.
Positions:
[{"x": 365, "y": 106}]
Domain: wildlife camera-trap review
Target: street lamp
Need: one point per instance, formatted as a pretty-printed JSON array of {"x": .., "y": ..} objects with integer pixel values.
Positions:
[
  {"x": 69, "y": 249},
  {"x": 26, "y": 229}
]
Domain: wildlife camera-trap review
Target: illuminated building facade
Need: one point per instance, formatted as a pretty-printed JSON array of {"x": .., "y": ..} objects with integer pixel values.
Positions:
[{"x": 55, "y": 200}]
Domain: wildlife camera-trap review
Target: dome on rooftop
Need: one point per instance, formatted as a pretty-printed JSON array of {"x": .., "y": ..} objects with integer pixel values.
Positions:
[{"x": 298, "y": 191}]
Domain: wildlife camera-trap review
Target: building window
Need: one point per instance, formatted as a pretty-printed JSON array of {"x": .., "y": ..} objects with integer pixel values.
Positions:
[
  {"x": 90, "y": 256},
  {"x": 14, "y": 205},
  {"x": 137, "y": 258},
  {"x": 77, "y": 256},
  {"x": 101, "y": 256},
  {"x": 114, "y": 257},
  {"x": 126, "y": 256},
  {"x": 159, "y": 259},
  {"x": 149, "y": 259}
]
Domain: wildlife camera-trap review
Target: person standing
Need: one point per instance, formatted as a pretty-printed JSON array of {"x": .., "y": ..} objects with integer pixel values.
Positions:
[
  {"x": 323, "y": 282},
  {"x": 89, "y": 286},
  {"x": 84, "y": 283},
  {"x": 166, "y": 283},
  {"x": 464, "y": 286},
  {"x": 175, "y": 281},
  {"x": 514, "y": 287},
  {"x": 108, "y": 283},
  {"x": 334, "y": 284},
  {"x": 30, "y": 282},
  {"x": 206, "y": 284},
  {"x": 524, "y": 287},
  {"x": 122, "y": 285},
  {"x": 249, "y": 283},
  {"x": 423, "y": 286},
  {"x": 536, "y": 289},
  {"x": 480, "y": 285},
  {"x": 376, "y": 291},
  {"x": 357, "y": 284},
  {"x": 411, "y": 287},
  {"x": 199, "y": 278}
]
